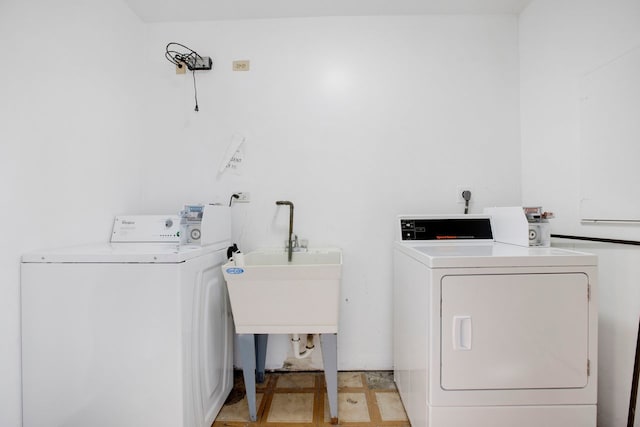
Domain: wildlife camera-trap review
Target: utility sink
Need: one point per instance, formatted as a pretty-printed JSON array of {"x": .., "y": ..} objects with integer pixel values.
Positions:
[{"x": 270, "y": 295}]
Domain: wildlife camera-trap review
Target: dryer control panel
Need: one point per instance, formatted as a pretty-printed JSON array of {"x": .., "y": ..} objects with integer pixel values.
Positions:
[{"x": 442, "y": 228}]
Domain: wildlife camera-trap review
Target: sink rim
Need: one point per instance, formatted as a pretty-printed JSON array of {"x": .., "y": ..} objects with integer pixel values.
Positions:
[{"x": 334, "y": 256}]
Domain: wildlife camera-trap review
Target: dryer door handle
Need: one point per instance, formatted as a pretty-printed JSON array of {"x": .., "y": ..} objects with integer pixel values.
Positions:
[{"x": 462, "y": 333}]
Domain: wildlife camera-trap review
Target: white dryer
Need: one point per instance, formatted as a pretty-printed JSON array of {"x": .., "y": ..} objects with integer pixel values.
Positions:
[
  {"x": 492, "y": 334},
  {"x": 133, "y": 333}
]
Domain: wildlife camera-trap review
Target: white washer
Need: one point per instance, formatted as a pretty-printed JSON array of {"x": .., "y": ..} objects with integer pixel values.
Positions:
[
  {"x": 492, "y": 334},
  {"x": 126, "y": 334}
]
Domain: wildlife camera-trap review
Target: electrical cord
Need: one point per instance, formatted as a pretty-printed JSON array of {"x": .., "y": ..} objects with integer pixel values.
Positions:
[
  {"x": 195, "y": 91},
  {"x": 180, "y": 59}
]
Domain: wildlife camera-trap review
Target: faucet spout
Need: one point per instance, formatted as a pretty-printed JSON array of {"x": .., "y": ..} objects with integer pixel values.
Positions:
[{"x": 290, "y": 245}]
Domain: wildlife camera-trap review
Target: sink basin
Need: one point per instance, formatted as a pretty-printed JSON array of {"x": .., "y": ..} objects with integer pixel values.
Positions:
[{"x": 270, "y": 295}]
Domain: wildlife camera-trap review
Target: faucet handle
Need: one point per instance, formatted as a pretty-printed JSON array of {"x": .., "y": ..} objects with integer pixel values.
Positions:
[{"x": 297, "y": 245}]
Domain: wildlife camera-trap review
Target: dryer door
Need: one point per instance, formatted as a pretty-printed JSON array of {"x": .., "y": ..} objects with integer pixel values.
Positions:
[{"x": 514, "y": 331}]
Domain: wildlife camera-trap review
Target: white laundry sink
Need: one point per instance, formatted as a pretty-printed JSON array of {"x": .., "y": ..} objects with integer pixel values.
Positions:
[{"x": 270, "y": 295}]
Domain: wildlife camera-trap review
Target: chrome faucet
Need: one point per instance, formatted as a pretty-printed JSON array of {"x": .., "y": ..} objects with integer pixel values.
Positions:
[{"x": 290, "y": 245}]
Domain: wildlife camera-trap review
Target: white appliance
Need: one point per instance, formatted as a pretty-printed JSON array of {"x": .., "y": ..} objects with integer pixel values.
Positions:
[
  {"x": 492, "y": 334},
  {"x": 133, "y": 333},
  {"x": 521, "y": 225}
]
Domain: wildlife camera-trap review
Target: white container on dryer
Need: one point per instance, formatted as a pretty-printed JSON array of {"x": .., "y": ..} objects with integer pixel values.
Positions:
[
  {"x": 492, "y": 334},
  {"x": 137, "y": 332}
]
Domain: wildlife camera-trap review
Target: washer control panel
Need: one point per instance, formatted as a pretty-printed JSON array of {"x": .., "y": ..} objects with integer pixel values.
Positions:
[{"x": 146, "y": 229}]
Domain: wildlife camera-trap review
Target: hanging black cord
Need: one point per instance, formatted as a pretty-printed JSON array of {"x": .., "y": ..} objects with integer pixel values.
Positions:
[
  {"x": 181, "y": 45},
  {"x": 195, "y": 90},
  {"x": 190, "y": 57}
]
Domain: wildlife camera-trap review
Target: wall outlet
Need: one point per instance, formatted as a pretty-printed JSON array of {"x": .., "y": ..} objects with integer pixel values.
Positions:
[
  {"x": 460, "y": 189},
  {"x": 243, "y": 65},
  {"x": 243, "y": 197},
  {"x": 181, "y": 70}
]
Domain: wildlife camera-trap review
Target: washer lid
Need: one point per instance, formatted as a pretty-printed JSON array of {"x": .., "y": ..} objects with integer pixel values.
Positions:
[{"x": 121, "y": 253}]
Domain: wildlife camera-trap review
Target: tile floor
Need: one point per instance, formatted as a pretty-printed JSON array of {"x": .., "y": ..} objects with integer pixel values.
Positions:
[{"x": 298, "y": 399}]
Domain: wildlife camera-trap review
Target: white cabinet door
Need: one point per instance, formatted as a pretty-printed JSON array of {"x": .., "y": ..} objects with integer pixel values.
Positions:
[{"x": 514, "y": 331}]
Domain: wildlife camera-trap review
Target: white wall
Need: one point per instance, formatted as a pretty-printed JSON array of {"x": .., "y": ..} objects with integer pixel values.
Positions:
[
  {"x": 70, "y": 98},
  {"x": 355, "y": 120},
  {"x": 561, "y": 41}
]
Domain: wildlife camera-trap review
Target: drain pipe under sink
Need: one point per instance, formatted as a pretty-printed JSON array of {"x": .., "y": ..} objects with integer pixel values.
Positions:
[{"x": 295, "y": 342}]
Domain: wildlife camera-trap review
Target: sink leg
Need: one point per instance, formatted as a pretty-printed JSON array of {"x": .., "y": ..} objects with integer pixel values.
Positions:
[
  {"x": 261, "y": 356},
  {"x": 329, "y": 344},
  {"x": 247, "y": 348}
]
